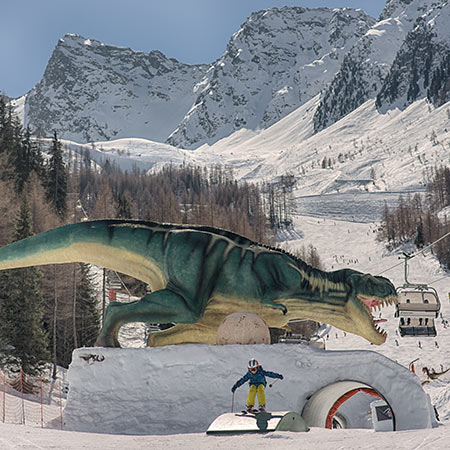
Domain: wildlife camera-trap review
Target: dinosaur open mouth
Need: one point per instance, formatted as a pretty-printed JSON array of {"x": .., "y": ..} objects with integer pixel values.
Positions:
[{"x": 373, "y": 305}]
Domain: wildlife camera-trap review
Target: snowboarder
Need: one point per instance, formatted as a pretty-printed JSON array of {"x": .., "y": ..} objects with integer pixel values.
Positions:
[{"x": 256, "y": 376}]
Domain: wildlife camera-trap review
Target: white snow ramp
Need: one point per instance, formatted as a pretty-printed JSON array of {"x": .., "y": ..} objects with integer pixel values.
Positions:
[{"x": 181, "y": 389}]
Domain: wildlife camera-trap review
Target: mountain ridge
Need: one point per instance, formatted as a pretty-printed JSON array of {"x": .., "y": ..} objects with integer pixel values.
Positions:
[
  {"x": 422, "y": 65},
  {"x": 369, "y": 61},
  {"x": 277, "y": 61},
  {"x": 91, "y": 91}
]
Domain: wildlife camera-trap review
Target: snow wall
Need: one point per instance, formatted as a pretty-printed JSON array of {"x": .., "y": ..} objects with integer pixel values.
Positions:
[{"x": 182, "y": 389}]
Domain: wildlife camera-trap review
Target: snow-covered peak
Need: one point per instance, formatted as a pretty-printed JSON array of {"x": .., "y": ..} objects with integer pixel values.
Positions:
[
  {"x": 421, "y": 66},
  {"x": 92, "y": 91},
  {"x": 408, "y": 8},
  {"x": 394, "y": 8},
  {"x": 279, "y": 59},
  {"x": 367, "y": 64},
  {"x": 74, "y": 40}
]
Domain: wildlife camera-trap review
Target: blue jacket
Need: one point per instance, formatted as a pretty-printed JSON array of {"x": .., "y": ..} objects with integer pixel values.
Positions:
[{"x": 257, "y": 378}]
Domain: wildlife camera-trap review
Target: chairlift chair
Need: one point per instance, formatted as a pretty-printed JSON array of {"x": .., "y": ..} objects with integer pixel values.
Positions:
[{"x": 418, "y": 306}]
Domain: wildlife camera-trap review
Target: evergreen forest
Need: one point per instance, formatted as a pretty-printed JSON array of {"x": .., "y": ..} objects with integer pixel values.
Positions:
[{"x": 422, "y": 219}]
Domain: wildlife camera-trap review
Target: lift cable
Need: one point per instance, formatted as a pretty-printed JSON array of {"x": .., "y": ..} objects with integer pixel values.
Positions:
[
  {"x": 416, "y": 254},
  {"x": 439, "y": 279}
]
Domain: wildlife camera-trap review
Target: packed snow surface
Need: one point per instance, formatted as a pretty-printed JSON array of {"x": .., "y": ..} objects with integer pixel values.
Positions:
[
  {"x": 143, "y": 388},
  {"x": 340, "y": 244}
]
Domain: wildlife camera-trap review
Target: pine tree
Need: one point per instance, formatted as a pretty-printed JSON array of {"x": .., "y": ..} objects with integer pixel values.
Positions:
[
  {"x": 420, "y": 240},
  {"x": 25, "y": 158},
  {"x": 72, "y": 312},
  {"x": 88, "y": 315},
  {"x": 20, "y": 162},
  {"x": 123, "y": 207},
  {"x": 56, "y": 180},
  {"x": 21, "y": 311},
  {"x": 4, "y": 124}
]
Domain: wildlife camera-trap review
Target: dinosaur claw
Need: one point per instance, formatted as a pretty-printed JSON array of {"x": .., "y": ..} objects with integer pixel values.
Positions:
[{"x": 282, "y": 307}]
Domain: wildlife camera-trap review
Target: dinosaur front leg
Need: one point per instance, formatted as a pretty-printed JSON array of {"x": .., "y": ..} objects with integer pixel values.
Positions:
[
  {"x": 109, "y": 332},
  {"x": 158, "y": 307}
]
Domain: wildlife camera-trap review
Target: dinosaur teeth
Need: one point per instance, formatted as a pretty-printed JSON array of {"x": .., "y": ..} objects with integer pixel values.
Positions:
[
  {"x": 380, "y": 330},
  {"x": 374, "y": 305}
]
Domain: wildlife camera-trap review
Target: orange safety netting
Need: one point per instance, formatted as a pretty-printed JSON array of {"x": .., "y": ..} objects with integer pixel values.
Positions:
[{"x": 30, "y": 401}]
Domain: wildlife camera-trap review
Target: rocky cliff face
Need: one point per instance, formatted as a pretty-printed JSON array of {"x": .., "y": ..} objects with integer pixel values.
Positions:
[
  {"x": 393, "y": 8},
  {"x": 276, "y": 61},
  {"x": 422, "y": 65},
  {"x": 279, "y": 59},
  {"x": 91, "y": 91},
  {"x": 368, "y": 63}
]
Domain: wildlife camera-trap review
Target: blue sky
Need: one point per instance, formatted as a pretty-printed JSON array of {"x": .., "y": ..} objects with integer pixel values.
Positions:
[{"x": 192, "y": 31}]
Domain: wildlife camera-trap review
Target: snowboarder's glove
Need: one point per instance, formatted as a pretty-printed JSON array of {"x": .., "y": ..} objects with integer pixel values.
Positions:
[
  {"x": 233, "y": 388},
  {"x": 281, "y": 377}
]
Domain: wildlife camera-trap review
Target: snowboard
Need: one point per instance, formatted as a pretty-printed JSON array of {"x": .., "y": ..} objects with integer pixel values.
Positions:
[{"x": 253, "y": 412}]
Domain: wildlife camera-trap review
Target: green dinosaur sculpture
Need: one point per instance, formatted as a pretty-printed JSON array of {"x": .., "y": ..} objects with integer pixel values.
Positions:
[{"x": 199, "y": 275}]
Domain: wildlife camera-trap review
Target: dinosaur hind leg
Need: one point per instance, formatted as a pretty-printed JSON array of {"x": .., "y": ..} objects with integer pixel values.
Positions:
[{"x": 158, "y": 307}]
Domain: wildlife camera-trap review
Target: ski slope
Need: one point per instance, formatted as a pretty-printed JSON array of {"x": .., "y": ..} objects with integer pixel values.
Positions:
[
  {"x": 340, "y": 244},
  {"x": 337, "y": 211}
]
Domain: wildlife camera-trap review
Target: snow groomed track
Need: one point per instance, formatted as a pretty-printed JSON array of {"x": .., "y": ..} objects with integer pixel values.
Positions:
[{"x": 182, "y": 389}]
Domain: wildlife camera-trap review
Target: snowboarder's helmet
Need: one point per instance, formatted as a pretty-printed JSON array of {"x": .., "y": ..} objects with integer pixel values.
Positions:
[{"x": 253, "y": 364}]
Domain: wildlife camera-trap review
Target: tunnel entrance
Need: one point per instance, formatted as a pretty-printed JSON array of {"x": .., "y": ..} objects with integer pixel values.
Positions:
[{"x": 349, "y": 404}]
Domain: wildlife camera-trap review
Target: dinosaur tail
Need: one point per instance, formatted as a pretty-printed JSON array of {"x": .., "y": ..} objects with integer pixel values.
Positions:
[
  {"x": 96, "y": 242},
  {"x": 52, "y": 247},
  {"x": 88, "y": 242}
]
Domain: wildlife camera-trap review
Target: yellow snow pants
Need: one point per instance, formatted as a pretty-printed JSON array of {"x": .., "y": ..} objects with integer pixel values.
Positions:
[{"x": 256, "y": 390}]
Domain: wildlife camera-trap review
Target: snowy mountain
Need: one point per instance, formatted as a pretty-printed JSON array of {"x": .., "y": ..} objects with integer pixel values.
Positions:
[
  {"x": 279, "y": 59},
  {"x": 366, "y": 152},
  {"x": 368, "y": 63},
  {"x": 363, "y": 252},
  {"x": 422, "y": 65},
  {"x": 91, "y": 91}
]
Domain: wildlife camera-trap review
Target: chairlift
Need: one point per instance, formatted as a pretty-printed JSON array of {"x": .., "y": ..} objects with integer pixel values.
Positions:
[{"x": 418, "y": 306}]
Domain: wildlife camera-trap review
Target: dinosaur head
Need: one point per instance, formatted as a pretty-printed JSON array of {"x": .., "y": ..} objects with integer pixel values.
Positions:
[
  {"x": 343, "y": 298},
  {"x": 366, "y": 293}
]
